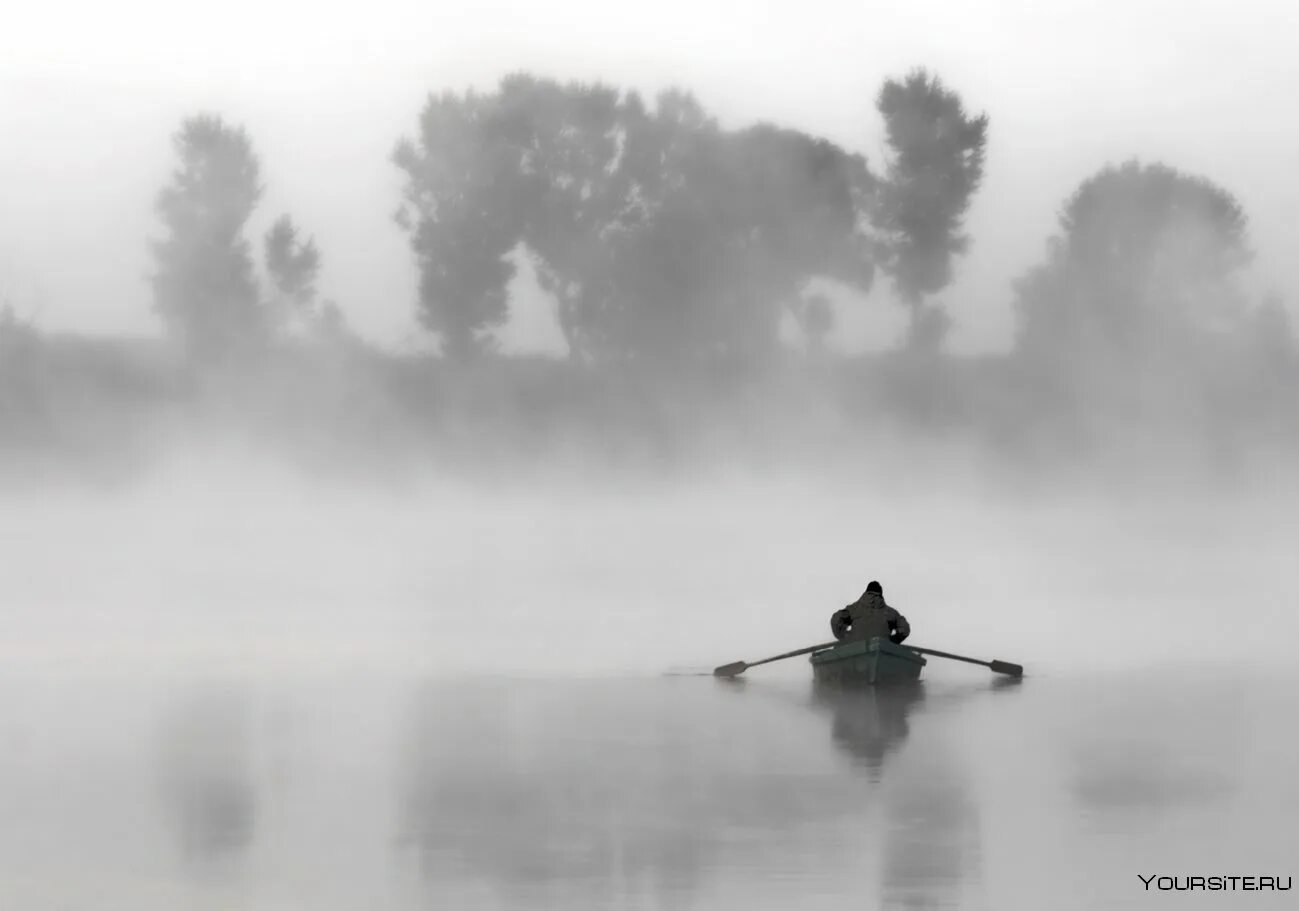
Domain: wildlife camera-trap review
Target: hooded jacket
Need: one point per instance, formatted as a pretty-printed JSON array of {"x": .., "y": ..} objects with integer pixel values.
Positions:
[{"x": 867, "y": 617}]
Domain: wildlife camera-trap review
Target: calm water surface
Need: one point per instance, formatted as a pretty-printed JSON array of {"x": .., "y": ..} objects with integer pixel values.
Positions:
[{"x": 667, "y": 792}]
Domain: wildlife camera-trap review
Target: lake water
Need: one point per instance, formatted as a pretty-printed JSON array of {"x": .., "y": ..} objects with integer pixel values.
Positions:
[
  {"x": 971, "y": 791},
  {"x": 240, "y": 691}
]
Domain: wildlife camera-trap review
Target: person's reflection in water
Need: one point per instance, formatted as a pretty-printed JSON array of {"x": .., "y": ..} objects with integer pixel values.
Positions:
[
  {"x": 205, "y": 773},
  {"x": 931, "y": 843},
  {"x": 933, "y": 851},
  {"x": 869, "y": 723}
]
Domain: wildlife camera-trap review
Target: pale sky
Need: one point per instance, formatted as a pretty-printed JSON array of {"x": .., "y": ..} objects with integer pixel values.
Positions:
[{"x": 91, "y": 92}]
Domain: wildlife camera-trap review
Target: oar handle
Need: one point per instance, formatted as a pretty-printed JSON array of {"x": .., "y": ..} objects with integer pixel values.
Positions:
[
  {"x": 935, "y": 652},
  {"x": 1001, "y": 667}
]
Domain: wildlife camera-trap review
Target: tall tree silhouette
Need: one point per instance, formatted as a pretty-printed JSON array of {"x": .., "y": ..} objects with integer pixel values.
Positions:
[
  {"x": 204, "y": 287},
  {"x": 462, "y": 208},
  {"x": 936, "y": 165}
]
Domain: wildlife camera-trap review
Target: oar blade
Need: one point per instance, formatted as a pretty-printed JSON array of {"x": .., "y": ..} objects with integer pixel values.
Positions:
[
  {"x": 1006, "y": 667},
  {"x": 734, "y": 669}
]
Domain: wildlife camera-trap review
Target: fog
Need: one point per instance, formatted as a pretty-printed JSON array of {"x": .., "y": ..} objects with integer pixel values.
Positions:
[
  {"x": 404, "y": 410},
  {"x": 326, "y": 92},
  {"x": 223, "y": 565}
]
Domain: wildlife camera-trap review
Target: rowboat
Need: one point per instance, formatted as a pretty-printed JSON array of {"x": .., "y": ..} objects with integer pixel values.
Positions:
[{"x": 866, "y": 661}]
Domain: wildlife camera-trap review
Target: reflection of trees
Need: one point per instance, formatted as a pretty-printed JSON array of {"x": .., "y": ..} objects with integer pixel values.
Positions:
[
  {"x": 1142, "y": 776},
  {"x": 1146, "y": 763},
  {"x": 611, "y": 794},
  {"x": 205, "y": 769},
  {"x": 570, "y": 793}
]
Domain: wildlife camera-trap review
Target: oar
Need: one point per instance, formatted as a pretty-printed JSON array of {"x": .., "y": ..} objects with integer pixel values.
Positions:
[
  {"x": 997, "y": 667},
  {"x": 735, "y": 668}
]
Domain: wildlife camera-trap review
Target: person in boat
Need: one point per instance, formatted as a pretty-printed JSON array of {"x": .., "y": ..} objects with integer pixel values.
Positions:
[{"x": 870, "y": 616}]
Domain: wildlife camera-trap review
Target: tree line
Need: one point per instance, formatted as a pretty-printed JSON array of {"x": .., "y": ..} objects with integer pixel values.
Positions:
[
  {"x": 667, "y": 239},
  {"x": 675, "y": 250},
  {"x": 664, "y": 238}
]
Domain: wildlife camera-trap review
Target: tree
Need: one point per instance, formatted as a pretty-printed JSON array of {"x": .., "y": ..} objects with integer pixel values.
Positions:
[
  {"x": 461, "y": 207},
  {"x": 664, "y": 238},
  {"x": 580, "y": 197},
  {"x": 1147, "y": 262},
  {"x": 293, "y": 265},
  {"x": 204, "y": 287},
  {"x": 711, "y": 236},
  {"x": 766, "y": 210},
  {"x": 936, "y": 165}
]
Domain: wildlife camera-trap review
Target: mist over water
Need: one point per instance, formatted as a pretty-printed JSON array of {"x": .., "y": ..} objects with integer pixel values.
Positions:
[
  {"x": 231, "y": 561},
  {"x": 238, "y": 671},
  {"x": 638, "y": 792},
  {"x": 343, "y": 569},
  {"x": 235, "y": 678}
]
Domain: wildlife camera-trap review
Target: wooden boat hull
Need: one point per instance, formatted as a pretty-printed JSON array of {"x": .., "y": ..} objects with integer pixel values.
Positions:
[{"x": 866, "y": 662}]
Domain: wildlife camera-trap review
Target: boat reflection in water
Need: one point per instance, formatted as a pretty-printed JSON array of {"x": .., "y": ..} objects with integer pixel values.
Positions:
[
  {"x": 649, "y": 793},
  {"x": 869, "y": 723},
  {"x": 923, "y": 815}
]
